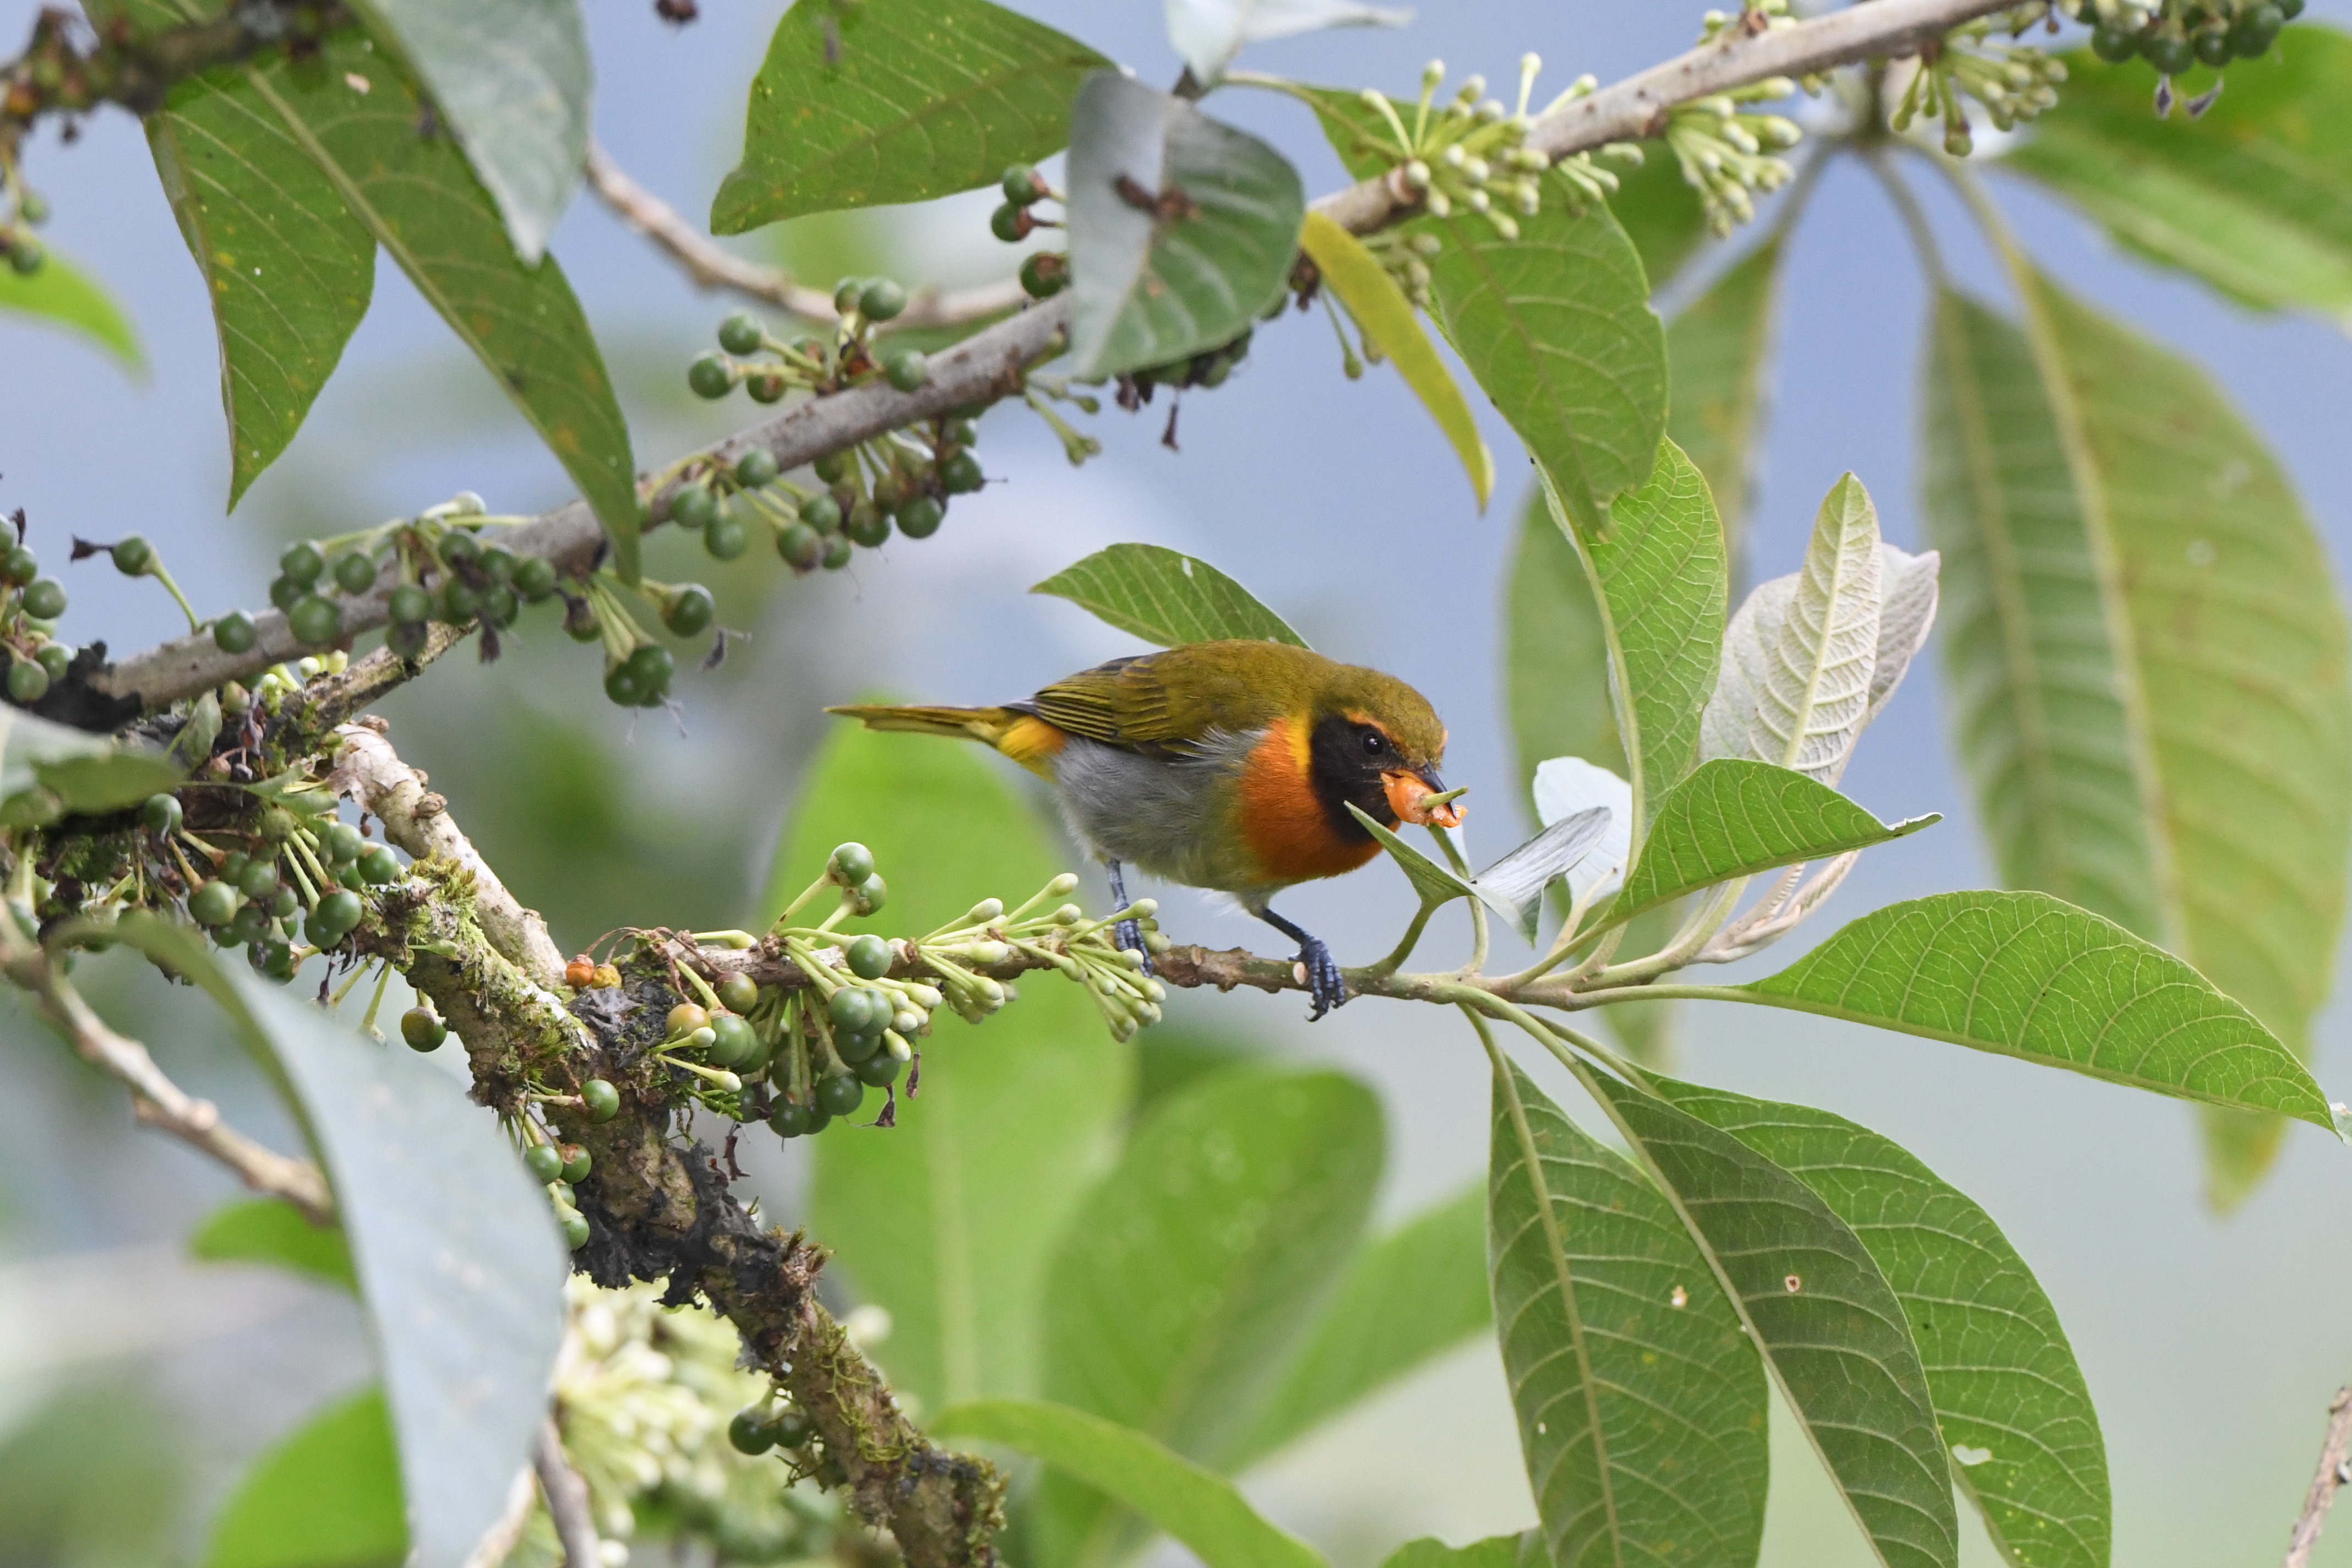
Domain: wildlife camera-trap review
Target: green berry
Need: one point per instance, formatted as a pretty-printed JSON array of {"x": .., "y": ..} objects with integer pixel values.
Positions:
[
  {"x": 214, "y": 904},
  {"x": 907, "y": 369},
  {"x": 960, "y": 433},
  {"x": 499, "y": 605},
  {"x": 333, "y": 921},
  {"x": 423, "y": 1029},
  {"x": 1021, "y": 184},
  {"x": 654, "y": 667},
  {"x": 741, "y": 333},
  {"x": 2113, "y": 45},
  {"x": 690, "y": 610},
  {"x": 710, "y": 376},
  {"x": 406, "y": 640},
  {"x": 726, "y": 538},
  {"x": 2170, "y": 53},
  {"x": 301, "y": 561},
  {"x": 1045, "y": 273},
  {"x": 576, "y": 1162},
  {"x": 920, "y": 518},
  {"x": 832, "y": 468},
  {"x": 1011, "y": 223},
  {"x": 249, "y": 925},
  {"x": 840, "y": 1094},
  {"x": 850, "y": 864},
  {"x": 623, "y": 686},
  {"x": 821, "y": 513},
  {"x": 44, "y": 599},
  {"x": 791, "y": 1430},
  {"x": 851, "y": 1008},
  {"x": 684, "y": 1019},
  {"x": 739, "y": 993},
  {"x": 25, "y": 254},
  {"x": 458, "y": 546},
  {"x": 285, "y": 592},
  {"x": 56, "y": 657},
  {"x": 133, "y": 555},
  {"x": 601, "y": 1099},
  {"x": 258, "y": 880},
  {"x": 20, "y": 566},
  {"x": 380, "y": 866},
  {"x": 756, "y": 467},
  {"x": 960, "y": 474},
  {"x": 350, "y": 877},
  {"x": 867, "y": 525},
  {"x": 160, "y": 814},
  {"x": 881, "y": 299},
  {"x": 749, "y": 1431},
  {"x": 735, "y": 1043},
  {"x": 856, "y": 1048},
  {"x": 498, "y": 563},
  {"x": 315, "y": 622},
  {"x": 2290, "y": 9},
  {"x": 234, "y": 866},
  {"x": 879, "y": 1070},
  {"x": 2256, "y": 29},
  {"x": 836, "y": 553},
  {"x": 868, "y": 896},
  {"x": 801, "y": 546},
  {"x": 28, "y": 681},
  {"x": 2214, "y": 46},
  {"x": 575, "y": 1231},
  {"x": 354, "y": 571},
  {"x": 460, "y": 601},
  {"x": 693, "y": 506},
  {"x": 869, "y": 957},
  {"x": 789, "y": 1119},
  {"x": 543, "y": 1163},
  {"x": 846, "y": 293},
  {"x": 534, "y": 578},
  {"x": 410, "y": 605},
  {"x": 342, "y": 843},
  {"x": 766, "y": 387}
]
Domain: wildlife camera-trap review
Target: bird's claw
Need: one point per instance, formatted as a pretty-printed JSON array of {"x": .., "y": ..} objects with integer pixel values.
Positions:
[
  {"x": 1129, "y": 935},
  {"x": 1323, "y": 982}
]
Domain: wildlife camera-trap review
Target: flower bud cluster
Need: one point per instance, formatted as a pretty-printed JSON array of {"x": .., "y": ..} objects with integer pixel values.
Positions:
[
  {"x": 1729, "y": 151},
  {"x": 1470, "y": 152},
  {"x": 2014, "y": 83}
]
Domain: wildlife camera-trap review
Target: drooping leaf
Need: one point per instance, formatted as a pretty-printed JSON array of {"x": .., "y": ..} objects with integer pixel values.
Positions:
[
  {"x": 1190, "y": 1274},
  {"x": 1641, "y": 1405},
  {"x": 270, "y": 1230},
  {"x": 512, "y": 81},
  {"x": 1567, "y": 786},
  {"x": 325, "y": 1496},
  {"x": 2026, "y": 975},
  {"x": 63, "y": 295},
  {"x": 1182, "y": 229},
  {"x": 1732, "y": 818},
  {"x": 1199, "y": 1509},
  {"x": 47, "y": 770},
  {"x": 457, "y": 1254},
  {"x": 1659, "y": 568},
  {"x": 949, "y": 1221},
  {"x": 1557, "y": 327},
  {"x": 423, "y": 203},
  {"x": 2012, "y": 1404},
  {"x": 2253, "y": 198},
  {"x": 1827, "y": 1323},
  {"x": 1406, "y": 1298},
  {"x": 1165, "y": 597},
  {"x": 898, "y": 100},
  {"x": 1514, "y": 886},
  {"x": 1389, "y": 324},
  {"x": 1720, "y": 346}
]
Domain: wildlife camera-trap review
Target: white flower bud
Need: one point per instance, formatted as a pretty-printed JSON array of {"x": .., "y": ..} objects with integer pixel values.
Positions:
[
  {"x": 983, "y": 912},
  {"x": 1061, "y": 886}
]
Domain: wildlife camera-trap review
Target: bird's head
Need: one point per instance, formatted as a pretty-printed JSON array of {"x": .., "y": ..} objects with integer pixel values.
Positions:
[{"x": 1377, "y": 744}]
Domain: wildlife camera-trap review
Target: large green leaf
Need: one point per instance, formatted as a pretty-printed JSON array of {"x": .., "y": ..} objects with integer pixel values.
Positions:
[
  {"x": 949, "y": 1220},
  {"x": 1642, "y": 1406},
  {"x": 1191, "y": 1273},
  {"x": 897, "y": 100},
  {"x": 1826, "y": 1319},
  {"x": 63, "y": 295},
  {"x": 1182, "y": 229},
  {"x": 512, "y": 80},
  {"x": 1199, "y": 1509},
  {"x": 1165, "y": 597},
  {"x": 1407, "y": 1297},
  {"x": 1495, "y": 1551},
  {"x": 1732, "y": 818},
  {"x": 2011, "y": 1403},
  {"x": 1720, "y": 346},
  {"x": 325, "y": 1496},
  {"x": 47, "y": 770},
  {"x": 2026, "y": 975},
  {"x": 1665, "y": 216},
  {"x": 422, "y": 203},
  {"x": 271, "y": 1230},
  {"x": 2255, "y": 199},
  {"x": 1557, "y": 327},
  {"x": 456, "y": 1250},
  {"x": 1659, "y": 569}
]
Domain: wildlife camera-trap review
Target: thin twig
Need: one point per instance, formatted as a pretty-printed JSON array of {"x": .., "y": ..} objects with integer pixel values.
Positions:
[
  {"x": 990, "y": 363},
  {"x": 712, "y": 267},
  {"x": 2335, "y": 1471},
  {"x": 567, "y": 1501}
]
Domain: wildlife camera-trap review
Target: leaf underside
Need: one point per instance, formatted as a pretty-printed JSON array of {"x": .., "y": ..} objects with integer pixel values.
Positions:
[{"x": 1165, "y": 597}]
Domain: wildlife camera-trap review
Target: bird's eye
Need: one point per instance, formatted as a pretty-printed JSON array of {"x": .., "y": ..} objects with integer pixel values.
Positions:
[{"x": 1374, "y": 744}]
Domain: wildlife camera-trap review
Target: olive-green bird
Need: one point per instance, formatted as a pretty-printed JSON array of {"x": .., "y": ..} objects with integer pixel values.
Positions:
[{"x": 1227, "y": 766}]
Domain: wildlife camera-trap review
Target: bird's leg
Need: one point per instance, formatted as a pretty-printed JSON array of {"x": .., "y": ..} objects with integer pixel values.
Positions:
[
  {"x": 1323, "y": 981},
  {"x": 1130, "y": 933}
]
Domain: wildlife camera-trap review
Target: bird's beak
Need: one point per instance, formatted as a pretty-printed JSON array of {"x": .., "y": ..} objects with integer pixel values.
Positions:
[{"x": 1407, "y": 793}]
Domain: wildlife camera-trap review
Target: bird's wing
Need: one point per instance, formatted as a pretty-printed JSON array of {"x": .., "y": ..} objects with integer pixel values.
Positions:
[{"x": 1123, "y": 703}]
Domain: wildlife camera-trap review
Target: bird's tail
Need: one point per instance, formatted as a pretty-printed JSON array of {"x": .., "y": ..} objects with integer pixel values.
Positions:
[{"x": 1019, "y": 734}]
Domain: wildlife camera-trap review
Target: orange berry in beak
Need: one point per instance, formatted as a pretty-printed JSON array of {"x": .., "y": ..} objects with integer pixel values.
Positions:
[{"x": 1408, "y": 792}]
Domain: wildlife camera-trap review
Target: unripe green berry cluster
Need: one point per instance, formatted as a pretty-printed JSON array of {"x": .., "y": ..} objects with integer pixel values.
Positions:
[
  {"x": 292, "y": 886},
  {"x": 1017, "y": 219},
  {"x": 812, "y": 364},
  {"x": 22, "y": 210},
  {"x": 2180, "y": 34},
  {"x": 29, "y": 602}
]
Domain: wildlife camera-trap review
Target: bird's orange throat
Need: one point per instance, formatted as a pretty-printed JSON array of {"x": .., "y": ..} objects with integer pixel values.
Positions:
[{"x": 1284, "y": 821}]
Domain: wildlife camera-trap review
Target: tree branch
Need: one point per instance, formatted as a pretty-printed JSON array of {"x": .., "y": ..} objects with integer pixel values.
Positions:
[
  {"x": 53, "y": 77},
  {"x": 2335, "y": 1471},
  {"x": 567, "y": 1501},
  {"x": 990, "y": 363}
]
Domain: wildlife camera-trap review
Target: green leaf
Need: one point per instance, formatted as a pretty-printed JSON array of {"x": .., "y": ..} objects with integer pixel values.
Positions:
[
  {"x": 1732, "y": 818},
  {"x": 511, "y": 81},
  {"x": 1191, "y": 1273},
  {"x": 1660, "y": 572},
  {"x": 270, "y": 1230},
  {"x": 2023, "y": 974},
  {"x": 1557, "y": 327},
  {"x": 1433, "y": 884},
  {"x": 1663, "y": 214},
  {"x": 1642, "y": 1407},
  {"x": 1495, "y": 1551},
  {"x": 419, "y": 199},
  {"x": 460, "y": 1262},
  {"x": 47, "y": 770},
  {"x": 949, "y": 1221},
  {"x": 2255, "y": 199},
  {"x": 1555, "y": 673},
  {"x": 1720, "y": 345},
  {"x": 1166, "y": 598},
  {"x": 327, "y": 1496},
  {"x": 1827, "y": 1322},
  {"x": 64, "y": 296},
  {"x": 1150, "y": 287},
  {"x": 1204, "y": 1512},
  {"x": 1408, "y": 1297},
  {"x": 2011, "y": 1403},
  {"x": 1390, "y": 324},
  {"x": 898, "y": 100}
]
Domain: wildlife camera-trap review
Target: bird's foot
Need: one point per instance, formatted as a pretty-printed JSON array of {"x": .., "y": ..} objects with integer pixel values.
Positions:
[
  {"x": 1323, "y": 982},
  {"x": 1129, "y": 934}
]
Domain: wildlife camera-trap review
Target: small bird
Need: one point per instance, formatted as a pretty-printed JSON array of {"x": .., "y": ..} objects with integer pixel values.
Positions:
[{"x": 1225, "y": 765}]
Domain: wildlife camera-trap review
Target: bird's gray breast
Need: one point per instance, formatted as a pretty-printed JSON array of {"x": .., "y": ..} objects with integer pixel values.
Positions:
[{"x": 1166, "y": 816}]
